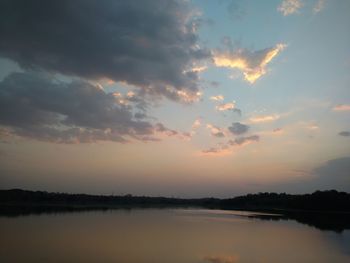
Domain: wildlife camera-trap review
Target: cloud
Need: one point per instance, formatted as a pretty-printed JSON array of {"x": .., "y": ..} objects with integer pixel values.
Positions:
[
  {"x": 319, "y": 6},
  {"x": 38, "y": 107},
  {"x": 196, "y": 124},
  {"x": 333, "y": 174},
  {"x": 215, "y": 131},
  {"x": 159, "y": 127},
  {"x": 199, "y": 68},
  {"x": 244, "y": 140},
  {"x": 188, "y": 96},
  {"x": 328, "y": 175},
  {"x": 226, "y": 148},
  {"x": 264, "y": 118},
  {"x": 252, "y": 63},
  {"x": 230, "y": 106},
  {"x": 217, "y": 98},
  {"x": 277, "y": 131},
  {"x": 140, "y": 115},
  {"x": 151, "y": 44},
  {"x": 238, "y": 128},
  {"x": 312, "y": 127},
  {"x": 344, "y": 133},
  {"x": 341, "y": 107},
  {"x": 289, "y": 7},
  {"x": 225, "y": 106},
  {"x": 215, "y": 151}
]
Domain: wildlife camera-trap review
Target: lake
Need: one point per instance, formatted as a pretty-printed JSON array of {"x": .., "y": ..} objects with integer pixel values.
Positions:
[{"x": 167, "y": 236}]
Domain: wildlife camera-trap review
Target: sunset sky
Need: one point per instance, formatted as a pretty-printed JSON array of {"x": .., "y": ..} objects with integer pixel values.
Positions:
[{"x": 175, "y": 98}]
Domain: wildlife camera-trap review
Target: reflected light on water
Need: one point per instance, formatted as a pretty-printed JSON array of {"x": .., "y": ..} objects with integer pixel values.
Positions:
[{"x": 172, "y": 236}]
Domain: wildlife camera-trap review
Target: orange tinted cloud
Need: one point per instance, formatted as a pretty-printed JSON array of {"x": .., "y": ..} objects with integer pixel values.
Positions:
[
  {"x": 199, "y": 69},
  {"x": 217, "y": 98},
  {"x": 189, "y": 97},
  {"x": 252, "y": 64},
  {"x": 225, "y": 106},
  {"x": 225, "y": 149},
  {"x": 342, "y": 107},
  {"x": 195, "y": 126},
  {"x": 215, "y": 131},
  {"x": 264, "y": 118}
]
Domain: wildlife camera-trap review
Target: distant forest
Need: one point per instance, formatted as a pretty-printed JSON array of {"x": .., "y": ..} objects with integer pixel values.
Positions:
[
  {"x": 330, "y": 201},
  {"x": 325, "y": 210}
]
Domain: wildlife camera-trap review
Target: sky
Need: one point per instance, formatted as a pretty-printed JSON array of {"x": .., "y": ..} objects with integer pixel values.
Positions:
[{"x": 175, "y": 98}]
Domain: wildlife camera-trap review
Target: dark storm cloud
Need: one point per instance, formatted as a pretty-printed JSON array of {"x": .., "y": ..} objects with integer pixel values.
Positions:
[
  {"x": 344, "y": 133},
  {"x": 150, "y": 43},
  {"x": 238, "y": 128},
  {"x": 36, "y": 106},
  {"x": 331, "y": 174},
  {"x": 334, "y": 174}
]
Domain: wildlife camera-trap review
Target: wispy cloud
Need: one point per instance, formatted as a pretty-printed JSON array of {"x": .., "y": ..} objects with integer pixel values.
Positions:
[
  {"x": 215, "y": 131},
  {"x": 188, "y": 96},
  {"x": 319, "y": 6},
  {"x": 226, "y": 106},
  {"x": 195, "y": 126},
  {"x": 264, "y": 118},
  {"x": 341, "y": 107},
  {"x": 273, "y": 132},
  {"x": 312, "y": 127},
  {"x": 251, "y": 63},
  {"x": 217, "y": 98},
  {"x": 277, "y": 131},
  {"x": 199, "y": 69},
  {"x": 226, "y": 148},
  {"x": 229, "y": 106},
  {"x": 213, "y": 151},
  {"x": 289, "y": 7}
]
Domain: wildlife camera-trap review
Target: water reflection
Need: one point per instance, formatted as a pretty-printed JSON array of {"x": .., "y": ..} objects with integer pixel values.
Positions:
[
  {"x": 158, "y": 236},
  {"x": 323, "y": 221}
]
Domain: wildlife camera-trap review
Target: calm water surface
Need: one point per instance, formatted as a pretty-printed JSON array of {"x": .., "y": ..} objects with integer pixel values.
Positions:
[{"x": 166, "y": 236}]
